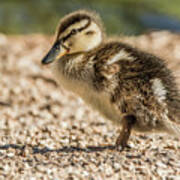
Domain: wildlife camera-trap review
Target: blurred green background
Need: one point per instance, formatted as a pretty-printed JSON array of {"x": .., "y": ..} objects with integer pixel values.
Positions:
[{"x": 119, "y": 16}]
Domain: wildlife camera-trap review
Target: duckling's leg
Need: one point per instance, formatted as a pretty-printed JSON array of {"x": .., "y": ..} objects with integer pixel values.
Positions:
[{"x": 127, "y": 123}]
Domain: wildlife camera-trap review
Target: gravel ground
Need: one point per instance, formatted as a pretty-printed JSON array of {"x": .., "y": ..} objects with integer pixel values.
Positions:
[{"x": 48, "y": 133}]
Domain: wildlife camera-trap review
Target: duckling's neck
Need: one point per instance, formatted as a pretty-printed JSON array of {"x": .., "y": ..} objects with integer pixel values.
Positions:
[
  {"x": 72, "y": 70},
  {"x": 77, "y": 66}
]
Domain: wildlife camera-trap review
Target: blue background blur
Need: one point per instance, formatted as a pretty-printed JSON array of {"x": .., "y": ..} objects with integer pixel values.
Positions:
[{"x": 119, "y": 16}]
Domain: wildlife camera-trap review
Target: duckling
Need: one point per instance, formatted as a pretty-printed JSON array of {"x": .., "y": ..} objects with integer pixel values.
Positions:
[{"x": 134, "y": 89}]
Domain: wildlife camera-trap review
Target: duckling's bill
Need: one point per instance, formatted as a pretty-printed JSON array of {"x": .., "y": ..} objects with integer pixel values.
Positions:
[
  {"x": 54, "y": 54},
  {"x": 61, "y": 54}
]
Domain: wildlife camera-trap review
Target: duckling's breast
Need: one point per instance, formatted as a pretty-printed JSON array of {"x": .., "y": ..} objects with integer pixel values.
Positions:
[{"x": 98, "y": 101}]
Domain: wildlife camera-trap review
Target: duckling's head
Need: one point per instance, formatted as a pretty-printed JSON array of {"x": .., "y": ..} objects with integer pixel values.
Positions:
[{"x": 78, "y": 32}]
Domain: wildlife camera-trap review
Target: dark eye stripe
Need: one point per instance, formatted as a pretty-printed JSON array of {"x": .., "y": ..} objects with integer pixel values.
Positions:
[
  {"x": 74, "y": 31},
  {"x": 89, "y": 32},
  {"x": 86, "y": 25}
]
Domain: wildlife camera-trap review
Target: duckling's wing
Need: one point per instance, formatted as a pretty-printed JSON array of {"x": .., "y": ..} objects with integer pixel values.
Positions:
[{"x": 110, "y": 59}]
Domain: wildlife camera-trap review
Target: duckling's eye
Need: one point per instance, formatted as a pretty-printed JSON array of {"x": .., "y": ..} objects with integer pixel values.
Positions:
[{"x": 73, "y": 31}]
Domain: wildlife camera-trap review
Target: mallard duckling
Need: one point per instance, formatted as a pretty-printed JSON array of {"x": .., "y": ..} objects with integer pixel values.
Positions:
[{"x": 132, "y": 88}]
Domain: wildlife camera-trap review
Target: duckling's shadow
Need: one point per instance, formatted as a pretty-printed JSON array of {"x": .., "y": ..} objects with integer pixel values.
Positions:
[
  {"x": 66, "y": 149},
  {"x": 69, "y": 149}
]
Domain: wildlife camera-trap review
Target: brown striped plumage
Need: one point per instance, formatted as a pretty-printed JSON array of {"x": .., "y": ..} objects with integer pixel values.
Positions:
[{"x": 130, "y": 87}]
